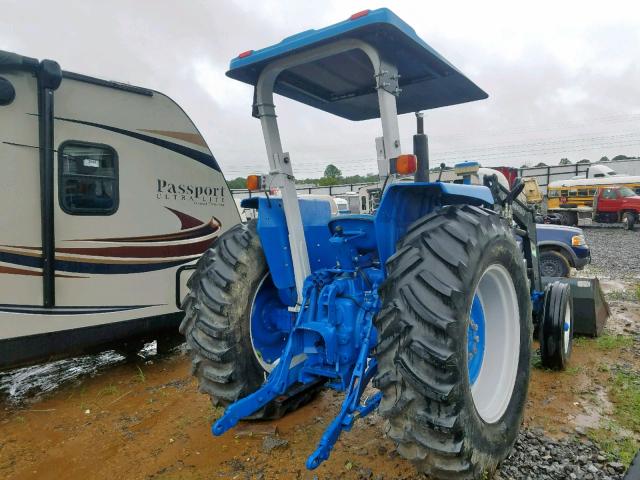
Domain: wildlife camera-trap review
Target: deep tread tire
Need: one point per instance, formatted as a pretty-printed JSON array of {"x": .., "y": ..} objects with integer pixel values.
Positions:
[
  {"x": 557, "y": 300},
  {"x": 553, "y": 264},
  {"x": 217, "y": 322},
  {"x": 422, "y": 351}
]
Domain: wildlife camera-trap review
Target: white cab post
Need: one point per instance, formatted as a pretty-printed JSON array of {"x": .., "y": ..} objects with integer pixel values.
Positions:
[
  {"x": 281, "y": 176},
  {"x": 387, "y": 86}
]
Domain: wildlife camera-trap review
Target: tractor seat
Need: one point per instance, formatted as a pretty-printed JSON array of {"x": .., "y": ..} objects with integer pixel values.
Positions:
[{"x": 356, "y": 225}]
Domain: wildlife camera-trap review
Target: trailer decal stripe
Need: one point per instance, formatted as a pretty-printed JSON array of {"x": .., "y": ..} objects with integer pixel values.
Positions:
[
  {"x": 204, "y": 158},
  {"x": 144, "y": 251},
  {"x": 20, "y": 271},
  {"x": 97, "y": 265},
  {"x": 194, "y": 138},
  {"x": 118, "y": 256},
  {"x": 38, "y": 310},
  {"x": 189, "y": 233},
  {"x": 33, "y": 273}
]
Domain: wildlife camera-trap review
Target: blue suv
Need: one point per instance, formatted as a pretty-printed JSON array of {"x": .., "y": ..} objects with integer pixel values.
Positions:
[{"x": 560, "y": 248}]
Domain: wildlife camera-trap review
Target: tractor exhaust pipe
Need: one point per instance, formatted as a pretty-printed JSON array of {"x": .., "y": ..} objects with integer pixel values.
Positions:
[{"x": 421, "y": 150}]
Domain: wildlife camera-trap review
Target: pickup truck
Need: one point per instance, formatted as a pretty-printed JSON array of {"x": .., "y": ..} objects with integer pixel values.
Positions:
[
  {"x": 617, "y": 204},
  {"x": 611, "y": 205},
  {"x": 560, "y": 248}
]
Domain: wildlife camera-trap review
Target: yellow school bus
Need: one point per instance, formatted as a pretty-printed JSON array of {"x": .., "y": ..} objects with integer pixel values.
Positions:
[{"x": 579, "y": 192}]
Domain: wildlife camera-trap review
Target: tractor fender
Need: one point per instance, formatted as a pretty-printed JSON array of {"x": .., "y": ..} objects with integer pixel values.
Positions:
[
  {"x": 404, "y": 203},
  {"x": 274, "y": 237}
]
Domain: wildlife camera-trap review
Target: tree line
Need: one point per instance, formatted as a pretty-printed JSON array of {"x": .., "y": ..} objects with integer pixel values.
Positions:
[
  {"x": 332, "y": 176},
  {"x": 566, "y": 161}
]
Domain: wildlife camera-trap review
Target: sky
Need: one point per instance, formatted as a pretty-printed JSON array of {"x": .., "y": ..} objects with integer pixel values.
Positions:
[{"x": 563, "y": 77}]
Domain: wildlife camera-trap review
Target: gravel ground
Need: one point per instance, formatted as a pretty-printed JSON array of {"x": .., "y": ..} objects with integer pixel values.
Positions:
[
  {"x": 538, "y": 457},
  {"x": 615, "y": 253}
]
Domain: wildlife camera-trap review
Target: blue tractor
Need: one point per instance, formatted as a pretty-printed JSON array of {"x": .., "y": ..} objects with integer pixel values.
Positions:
[{"x": 431, "y": 298}]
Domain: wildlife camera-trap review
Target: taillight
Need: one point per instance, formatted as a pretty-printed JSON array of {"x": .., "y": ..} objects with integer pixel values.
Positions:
[
  {"x": 360, "y": 14},
  {"x": 254, "y": 183},
  {"x": 406, "y": 164}
]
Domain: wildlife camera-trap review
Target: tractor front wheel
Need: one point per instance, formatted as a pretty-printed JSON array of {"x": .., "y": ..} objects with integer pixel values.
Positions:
[
  {"x": 556, "y": 327},
  {"x": 455, "y": 342}
]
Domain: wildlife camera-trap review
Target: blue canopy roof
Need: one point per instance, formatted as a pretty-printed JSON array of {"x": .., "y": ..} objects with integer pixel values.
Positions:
[{"x": 344, "y": 85}]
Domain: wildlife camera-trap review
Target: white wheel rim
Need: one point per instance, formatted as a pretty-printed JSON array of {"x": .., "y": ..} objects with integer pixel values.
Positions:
[
  {"x": 566, "y": 329},
  {"x": 492, "y": 390}
]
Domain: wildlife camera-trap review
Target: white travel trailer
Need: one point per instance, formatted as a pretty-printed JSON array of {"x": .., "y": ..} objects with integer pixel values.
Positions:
[{"x": 108, "y": 194}]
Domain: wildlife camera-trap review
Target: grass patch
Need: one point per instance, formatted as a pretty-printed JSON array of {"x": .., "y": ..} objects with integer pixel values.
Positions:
[
  {"x": 582, "y": 341},
  {"x": 613, "y": 342},
  {"x": 625, "y": 395},
  {"x": 536, "y": 360},
  {"x": 614, "y": 443},
  {"x": 140, "y": 375},
  {"x": 573, "y": 370},
  {"x": 214, "y": 414},
  {"x": 614, "y": 437},
  {"x": 605, "y": 342},
  {"x": 637, "y": 292},
  {"x": 109, "y": 390}
]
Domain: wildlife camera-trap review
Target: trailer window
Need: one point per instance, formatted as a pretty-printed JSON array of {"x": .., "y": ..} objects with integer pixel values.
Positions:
[{"x": 88, "y": 178}]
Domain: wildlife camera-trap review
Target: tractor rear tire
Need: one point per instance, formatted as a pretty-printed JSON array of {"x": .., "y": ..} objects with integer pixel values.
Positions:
[
  {"x": 217, "y": 322},
  {"x": 556, "y": 326},
  {"x": 446, "y": 428}
]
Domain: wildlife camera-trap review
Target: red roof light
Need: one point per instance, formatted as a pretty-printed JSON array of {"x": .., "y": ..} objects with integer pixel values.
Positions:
[
  {"x": 362, "y": 13},
  {"x": 245, "y": 54}
]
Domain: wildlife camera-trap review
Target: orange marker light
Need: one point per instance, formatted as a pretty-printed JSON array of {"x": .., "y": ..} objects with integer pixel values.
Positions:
[
  {"x": 254, "y": 182},
  {"x": 245, "y": 54},
  {"x": 406, "y": 164}
]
